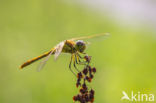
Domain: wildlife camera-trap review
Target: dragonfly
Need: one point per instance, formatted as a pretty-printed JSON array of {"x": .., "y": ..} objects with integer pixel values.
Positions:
[{"x": 74, "y": 46}]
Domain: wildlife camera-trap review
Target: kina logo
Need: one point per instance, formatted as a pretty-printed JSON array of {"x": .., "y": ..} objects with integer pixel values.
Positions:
[{"x": 140, "y": 97}]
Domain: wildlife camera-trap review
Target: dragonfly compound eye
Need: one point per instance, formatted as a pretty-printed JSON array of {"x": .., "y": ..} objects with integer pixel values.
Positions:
[{"x": 80, "y": 46}]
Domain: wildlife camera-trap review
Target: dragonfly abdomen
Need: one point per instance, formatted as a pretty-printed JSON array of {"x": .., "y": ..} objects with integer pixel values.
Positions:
[{"x": 34, "y": 59}]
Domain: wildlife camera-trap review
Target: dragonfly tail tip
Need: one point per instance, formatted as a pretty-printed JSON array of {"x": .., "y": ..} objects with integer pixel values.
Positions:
[{"x": 20, "y": 67}]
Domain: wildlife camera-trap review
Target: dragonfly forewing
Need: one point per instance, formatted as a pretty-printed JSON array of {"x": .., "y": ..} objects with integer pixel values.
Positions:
[
  {"x": 58, "y": 49},
  {"x": 92, "y": 37}
]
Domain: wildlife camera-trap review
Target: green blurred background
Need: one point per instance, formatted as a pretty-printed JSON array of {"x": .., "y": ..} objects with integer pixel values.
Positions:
[{"x": 126, "y": 61}]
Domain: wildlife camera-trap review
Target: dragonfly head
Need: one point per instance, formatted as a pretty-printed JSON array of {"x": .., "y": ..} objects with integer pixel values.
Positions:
[{"x": 80, "y": 46}]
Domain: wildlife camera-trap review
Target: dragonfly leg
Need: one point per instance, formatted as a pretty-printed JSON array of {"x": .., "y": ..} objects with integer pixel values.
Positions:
[
  {"x": 80, "y": 62},
  {"x": 78, "y": 58},
  {"x": 70, "y": 65},
  {"x": 79, "y": 55},
  {"x": 83, "y": 63},
  {"x": 74, "y": 61},
  {"x": 84, "y": 53}
]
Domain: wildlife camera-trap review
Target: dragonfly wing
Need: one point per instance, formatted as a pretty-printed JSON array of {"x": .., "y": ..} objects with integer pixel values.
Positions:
[
  {"x": 91, "y": 36},
  {"x": 42, "y": 63},
  {"x": 58, "y": 49}
]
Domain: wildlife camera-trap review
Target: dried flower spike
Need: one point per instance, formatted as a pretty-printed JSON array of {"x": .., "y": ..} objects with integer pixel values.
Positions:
[
  {"x": 79, "y": 75},
  {"x": 87, "y": 58},
  {"x": 85, "y": 71},
  {"x": 94, "y": 70},
  {"x": 85, "y": 95}
]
